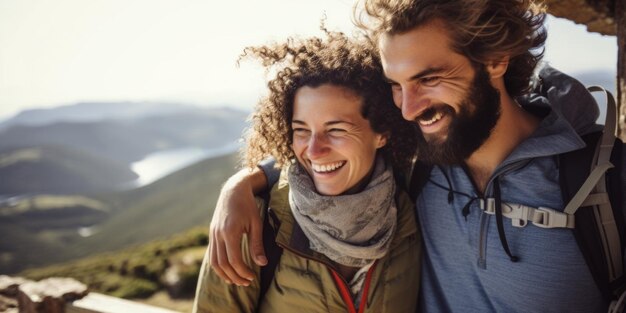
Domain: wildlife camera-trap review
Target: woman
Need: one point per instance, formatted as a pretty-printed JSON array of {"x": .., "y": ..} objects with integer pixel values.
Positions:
[{"x": 347, "y": 233}]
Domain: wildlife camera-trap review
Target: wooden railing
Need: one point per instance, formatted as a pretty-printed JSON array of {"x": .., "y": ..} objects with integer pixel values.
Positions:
[
  {"x": 63, "y": 295},
  {"x": 99, "y": 303}
]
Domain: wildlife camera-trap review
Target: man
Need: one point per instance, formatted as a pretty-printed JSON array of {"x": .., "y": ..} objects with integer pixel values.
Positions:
[{"x": 460, "y": 70}]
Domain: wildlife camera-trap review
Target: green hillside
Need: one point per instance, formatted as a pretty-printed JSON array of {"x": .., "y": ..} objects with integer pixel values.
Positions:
[
  {"x": 60, "y": 170},
  {"x": 36, "y": 230},
  {"x": 171, "y": 205}
]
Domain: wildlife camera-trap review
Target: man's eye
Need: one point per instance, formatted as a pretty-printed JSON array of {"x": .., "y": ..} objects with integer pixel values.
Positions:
[{"x": 430, "y": 81}]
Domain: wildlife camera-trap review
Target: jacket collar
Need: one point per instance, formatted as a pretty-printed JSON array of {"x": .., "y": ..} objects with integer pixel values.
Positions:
[{"x": 553, "y": 136}]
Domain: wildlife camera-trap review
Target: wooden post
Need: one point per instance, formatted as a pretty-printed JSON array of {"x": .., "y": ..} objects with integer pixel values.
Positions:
[{"x": 620, "y": 22}]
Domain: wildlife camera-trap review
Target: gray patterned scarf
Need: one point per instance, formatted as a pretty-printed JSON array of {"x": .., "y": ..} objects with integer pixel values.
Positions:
[{"x": 352, "y": 230}]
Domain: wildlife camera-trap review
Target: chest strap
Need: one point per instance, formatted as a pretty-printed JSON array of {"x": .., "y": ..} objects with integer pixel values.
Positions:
[{"x": 521, "y": 215}]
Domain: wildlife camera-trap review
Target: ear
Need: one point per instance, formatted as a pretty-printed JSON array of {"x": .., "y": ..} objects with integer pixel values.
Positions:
[
  {"x": 381, "y": 140},
  {"x": 497, "y": 68}
]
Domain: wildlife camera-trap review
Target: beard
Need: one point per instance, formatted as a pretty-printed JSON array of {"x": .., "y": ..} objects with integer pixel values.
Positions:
[{"x": 478, "y": 114}]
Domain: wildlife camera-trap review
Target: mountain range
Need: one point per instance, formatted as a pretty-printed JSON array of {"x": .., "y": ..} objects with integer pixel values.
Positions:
[
  {"x": 129, "y": 139},
  {"x": 96, "y": 111},
  {"x": 89, "y": 147}
]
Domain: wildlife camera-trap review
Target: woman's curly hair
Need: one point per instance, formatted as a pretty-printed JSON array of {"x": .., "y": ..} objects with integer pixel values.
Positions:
[
  {"x": 481, "y": 30},
  {"x": 335, "y": 60}
]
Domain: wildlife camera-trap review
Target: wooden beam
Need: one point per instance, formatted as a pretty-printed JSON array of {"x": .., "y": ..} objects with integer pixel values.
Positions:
[{"x": 597, "y": 15}]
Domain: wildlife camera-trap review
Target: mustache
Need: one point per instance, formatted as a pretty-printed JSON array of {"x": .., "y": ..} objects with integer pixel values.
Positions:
[{"x": 430, "y": 112}]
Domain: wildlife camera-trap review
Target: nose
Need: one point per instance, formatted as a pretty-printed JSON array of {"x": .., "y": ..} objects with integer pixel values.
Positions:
[
  {"x": 412, "y": 102},
  {"x": 318, "y": 146}
]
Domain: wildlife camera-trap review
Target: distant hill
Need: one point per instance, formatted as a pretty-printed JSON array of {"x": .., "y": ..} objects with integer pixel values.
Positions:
[
  {"x": 604, "y": 78},
  {"x": 173, "y": 204},
  {"x": 58, "y": 170},
  {"x": 128, "y": 140},
  {"x": 96, "y": 111}
]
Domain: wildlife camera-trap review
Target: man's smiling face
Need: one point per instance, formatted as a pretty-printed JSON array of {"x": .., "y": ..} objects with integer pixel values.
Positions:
[{"x": 449, "y": 98}]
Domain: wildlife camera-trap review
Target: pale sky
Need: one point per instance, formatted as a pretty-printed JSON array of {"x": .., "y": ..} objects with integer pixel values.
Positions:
[{"x": 65, "y": 51}]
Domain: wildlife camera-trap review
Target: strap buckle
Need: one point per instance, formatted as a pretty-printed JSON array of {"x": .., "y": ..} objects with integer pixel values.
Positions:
[
  {"x": 489, "y": 207},
  {"x": 521, "y": 214},
  {"x": 516, "y": 212},
  {"x": 549, "y": 218}
]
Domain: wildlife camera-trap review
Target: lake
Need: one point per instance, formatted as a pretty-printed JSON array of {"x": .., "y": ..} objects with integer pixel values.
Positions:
[{"x": 160, "y": 164}]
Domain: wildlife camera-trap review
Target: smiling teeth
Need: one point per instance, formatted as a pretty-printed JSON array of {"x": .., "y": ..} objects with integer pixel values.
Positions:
[
  {"x": 327, "y": 167},
  {"x": 435, "y": 118}
]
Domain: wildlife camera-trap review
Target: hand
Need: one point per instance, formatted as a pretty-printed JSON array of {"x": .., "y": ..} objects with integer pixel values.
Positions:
[{"x": 236, "y": 213}]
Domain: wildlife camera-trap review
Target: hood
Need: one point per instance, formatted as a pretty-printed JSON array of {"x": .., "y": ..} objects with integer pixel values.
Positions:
[{"x": 566, "y": 96}]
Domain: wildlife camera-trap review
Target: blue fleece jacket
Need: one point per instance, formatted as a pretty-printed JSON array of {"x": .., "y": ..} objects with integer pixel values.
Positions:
[{"x": 465, "y": 267}]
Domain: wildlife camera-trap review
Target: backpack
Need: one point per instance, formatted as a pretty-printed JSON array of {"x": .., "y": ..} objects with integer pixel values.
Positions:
[
  {"x": 594, "y": 209},
  {"x": 273, "y": 251}
]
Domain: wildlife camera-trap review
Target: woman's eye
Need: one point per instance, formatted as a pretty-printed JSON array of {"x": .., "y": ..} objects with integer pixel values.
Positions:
[
  {"x": 300, "y": 131},
  {"x": 337, "y": 131},
  {"x": 430, "y": 81}
]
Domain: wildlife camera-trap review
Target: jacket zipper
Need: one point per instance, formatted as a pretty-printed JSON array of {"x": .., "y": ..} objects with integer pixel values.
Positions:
[
  {"x": 344, "y": 290},
  {"x": 484, "y": 218},
  {"x": 341, "y": 283}
]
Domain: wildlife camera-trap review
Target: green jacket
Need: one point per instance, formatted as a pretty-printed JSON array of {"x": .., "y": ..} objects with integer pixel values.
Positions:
[{"x": 305, "y": 281}]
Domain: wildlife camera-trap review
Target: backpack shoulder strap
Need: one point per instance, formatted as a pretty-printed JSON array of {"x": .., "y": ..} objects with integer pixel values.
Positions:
[
  {"x": 583, "y": 179},
  {"x": 601, "y": 155},
  {"x": 572, "y": 175},
  {"x": 419, "y": 176},
  {"x": 271, "y": 223}
]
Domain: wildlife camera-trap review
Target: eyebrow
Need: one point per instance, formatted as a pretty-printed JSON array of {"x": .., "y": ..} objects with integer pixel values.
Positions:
[
  {"x": 425, "y": 72},
  {"x": 330, "y": 123}
]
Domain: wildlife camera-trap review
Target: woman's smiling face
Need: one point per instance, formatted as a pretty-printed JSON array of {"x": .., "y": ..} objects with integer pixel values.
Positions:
[{"x": 331, "y": 139}]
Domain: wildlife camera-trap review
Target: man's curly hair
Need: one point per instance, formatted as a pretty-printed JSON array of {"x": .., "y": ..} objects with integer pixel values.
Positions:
[
  {"x": 336, "y": 60},
  {"x": 481, "y": 30}
]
